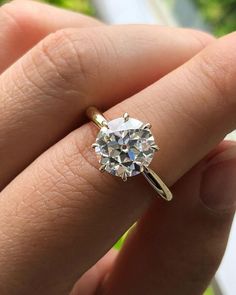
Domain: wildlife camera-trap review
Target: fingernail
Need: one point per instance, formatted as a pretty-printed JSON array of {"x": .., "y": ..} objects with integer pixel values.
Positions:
[{"x": 218, "y": 187}]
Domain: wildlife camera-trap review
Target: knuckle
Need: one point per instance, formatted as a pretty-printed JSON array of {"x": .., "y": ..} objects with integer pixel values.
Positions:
[
  {"x": 69, "y": 169},
  {"x": 79, "y": 158},
  {"x": 81, "y": 165},
  {"x": 72, "y": 54}
]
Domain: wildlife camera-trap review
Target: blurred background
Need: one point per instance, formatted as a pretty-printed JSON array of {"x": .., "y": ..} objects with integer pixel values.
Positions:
[{"x": 215, "y": 16}]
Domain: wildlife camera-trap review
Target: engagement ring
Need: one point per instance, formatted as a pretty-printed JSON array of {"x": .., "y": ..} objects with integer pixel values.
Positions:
[{"x": 125, "y": 148}]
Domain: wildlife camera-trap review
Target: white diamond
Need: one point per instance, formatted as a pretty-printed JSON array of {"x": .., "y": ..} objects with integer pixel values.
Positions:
[{"x": 125, "y": 147}]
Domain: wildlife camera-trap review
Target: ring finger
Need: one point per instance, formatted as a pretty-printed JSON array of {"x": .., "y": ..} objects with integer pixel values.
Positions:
[{"x": 45, "y": 93}]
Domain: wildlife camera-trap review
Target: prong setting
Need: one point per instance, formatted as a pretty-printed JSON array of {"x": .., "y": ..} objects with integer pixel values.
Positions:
[
  {"x": 126, "y": 117},
  {"x": 102, "y": 168},
  {"x": 105, "y": 124},
  {"x": 155, "y": 147},
  {"x": 124, "y": 176},
  {"x": 142, "y": 168},
  {"x": 146, "y": 126},
  {"x": 94, "y": 145},
  {"x": 125, "y": 147}
]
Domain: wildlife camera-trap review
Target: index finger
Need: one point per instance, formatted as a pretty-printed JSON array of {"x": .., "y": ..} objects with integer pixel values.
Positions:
[{"x": 25, "y": 23}]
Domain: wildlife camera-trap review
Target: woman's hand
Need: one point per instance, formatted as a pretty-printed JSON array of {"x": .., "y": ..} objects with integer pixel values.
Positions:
[{"x": 59, "y": 214}]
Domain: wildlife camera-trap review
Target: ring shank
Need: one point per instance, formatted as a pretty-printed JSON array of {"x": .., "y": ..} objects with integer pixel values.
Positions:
[
  {"x": 159, "y": 186},
  {"x": 97, "y": 117}
]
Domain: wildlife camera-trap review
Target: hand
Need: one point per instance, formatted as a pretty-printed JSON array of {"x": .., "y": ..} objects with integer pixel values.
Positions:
[{"x": 59, "y": 214}]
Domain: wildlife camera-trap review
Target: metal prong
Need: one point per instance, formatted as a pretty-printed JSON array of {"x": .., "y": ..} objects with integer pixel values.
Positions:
[
  {"x": 126, "y": 117},
  {"x": 155, "y": 147},
  {"x": 94, "y": 145},
  {"x": 102, "y": 168},
  {"x": 105, "y": 124},
  {"x": 124, "y": 176},
  {"x": 146, "y": 126},
  {"x": 142, "y": 168}
]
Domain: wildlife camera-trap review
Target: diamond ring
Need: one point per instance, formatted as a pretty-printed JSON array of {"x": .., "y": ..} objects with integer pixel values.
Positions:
[{"x": 125, "y": 148}]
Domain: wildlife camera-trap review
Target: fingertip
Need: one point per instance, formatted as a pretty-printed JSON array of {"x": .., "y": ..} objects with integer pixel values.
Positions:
[
  {"x": 204, "y": 38},
  {"x": 222, "y": 146}
]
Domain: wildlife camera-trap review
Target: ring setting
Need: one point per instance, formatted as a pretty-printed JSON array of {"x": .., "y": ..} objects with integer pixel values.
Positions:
[{"x": 125, "y": 148}]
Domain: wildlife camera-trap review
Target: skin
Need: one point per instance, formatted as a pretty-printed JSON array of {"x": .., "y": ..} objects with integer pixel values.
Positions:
[{"x": 59, "y": 214}]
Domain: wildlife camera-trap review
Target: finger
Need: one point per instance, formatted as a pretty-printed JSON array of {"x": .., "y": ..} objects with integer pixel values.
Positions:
[
  {"x": 191, "y": 108},
  {"x": 63, "y": 196},
  {"x": 71, "y": 69},
  {"x": 25, "y": 23},
  {"x": 89, "y": 283},
  {"x": 223, "y": 146},
  {"x": 178, "y": 250}
]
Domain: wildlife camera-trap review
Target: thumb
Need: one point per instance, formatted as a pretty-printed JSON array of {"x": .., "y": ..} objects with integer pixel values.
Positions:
[{"x": 176, "y": 249}]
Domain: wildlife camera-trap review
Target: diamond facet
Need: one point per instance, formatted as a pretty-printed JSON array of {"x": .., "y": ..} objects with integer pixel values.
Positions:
[{"x": 125, "y": 147}]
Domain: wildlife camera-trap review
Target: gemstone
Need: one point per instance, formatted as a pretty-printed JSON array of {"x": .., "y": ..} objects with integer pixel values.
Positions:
[{"x": 125, "y": 147}]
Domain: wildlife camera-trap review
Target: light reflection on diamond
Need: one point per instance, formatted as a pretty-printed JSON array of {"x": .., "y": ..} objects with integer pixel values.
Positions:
[{"x": 125, "y": 147}]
